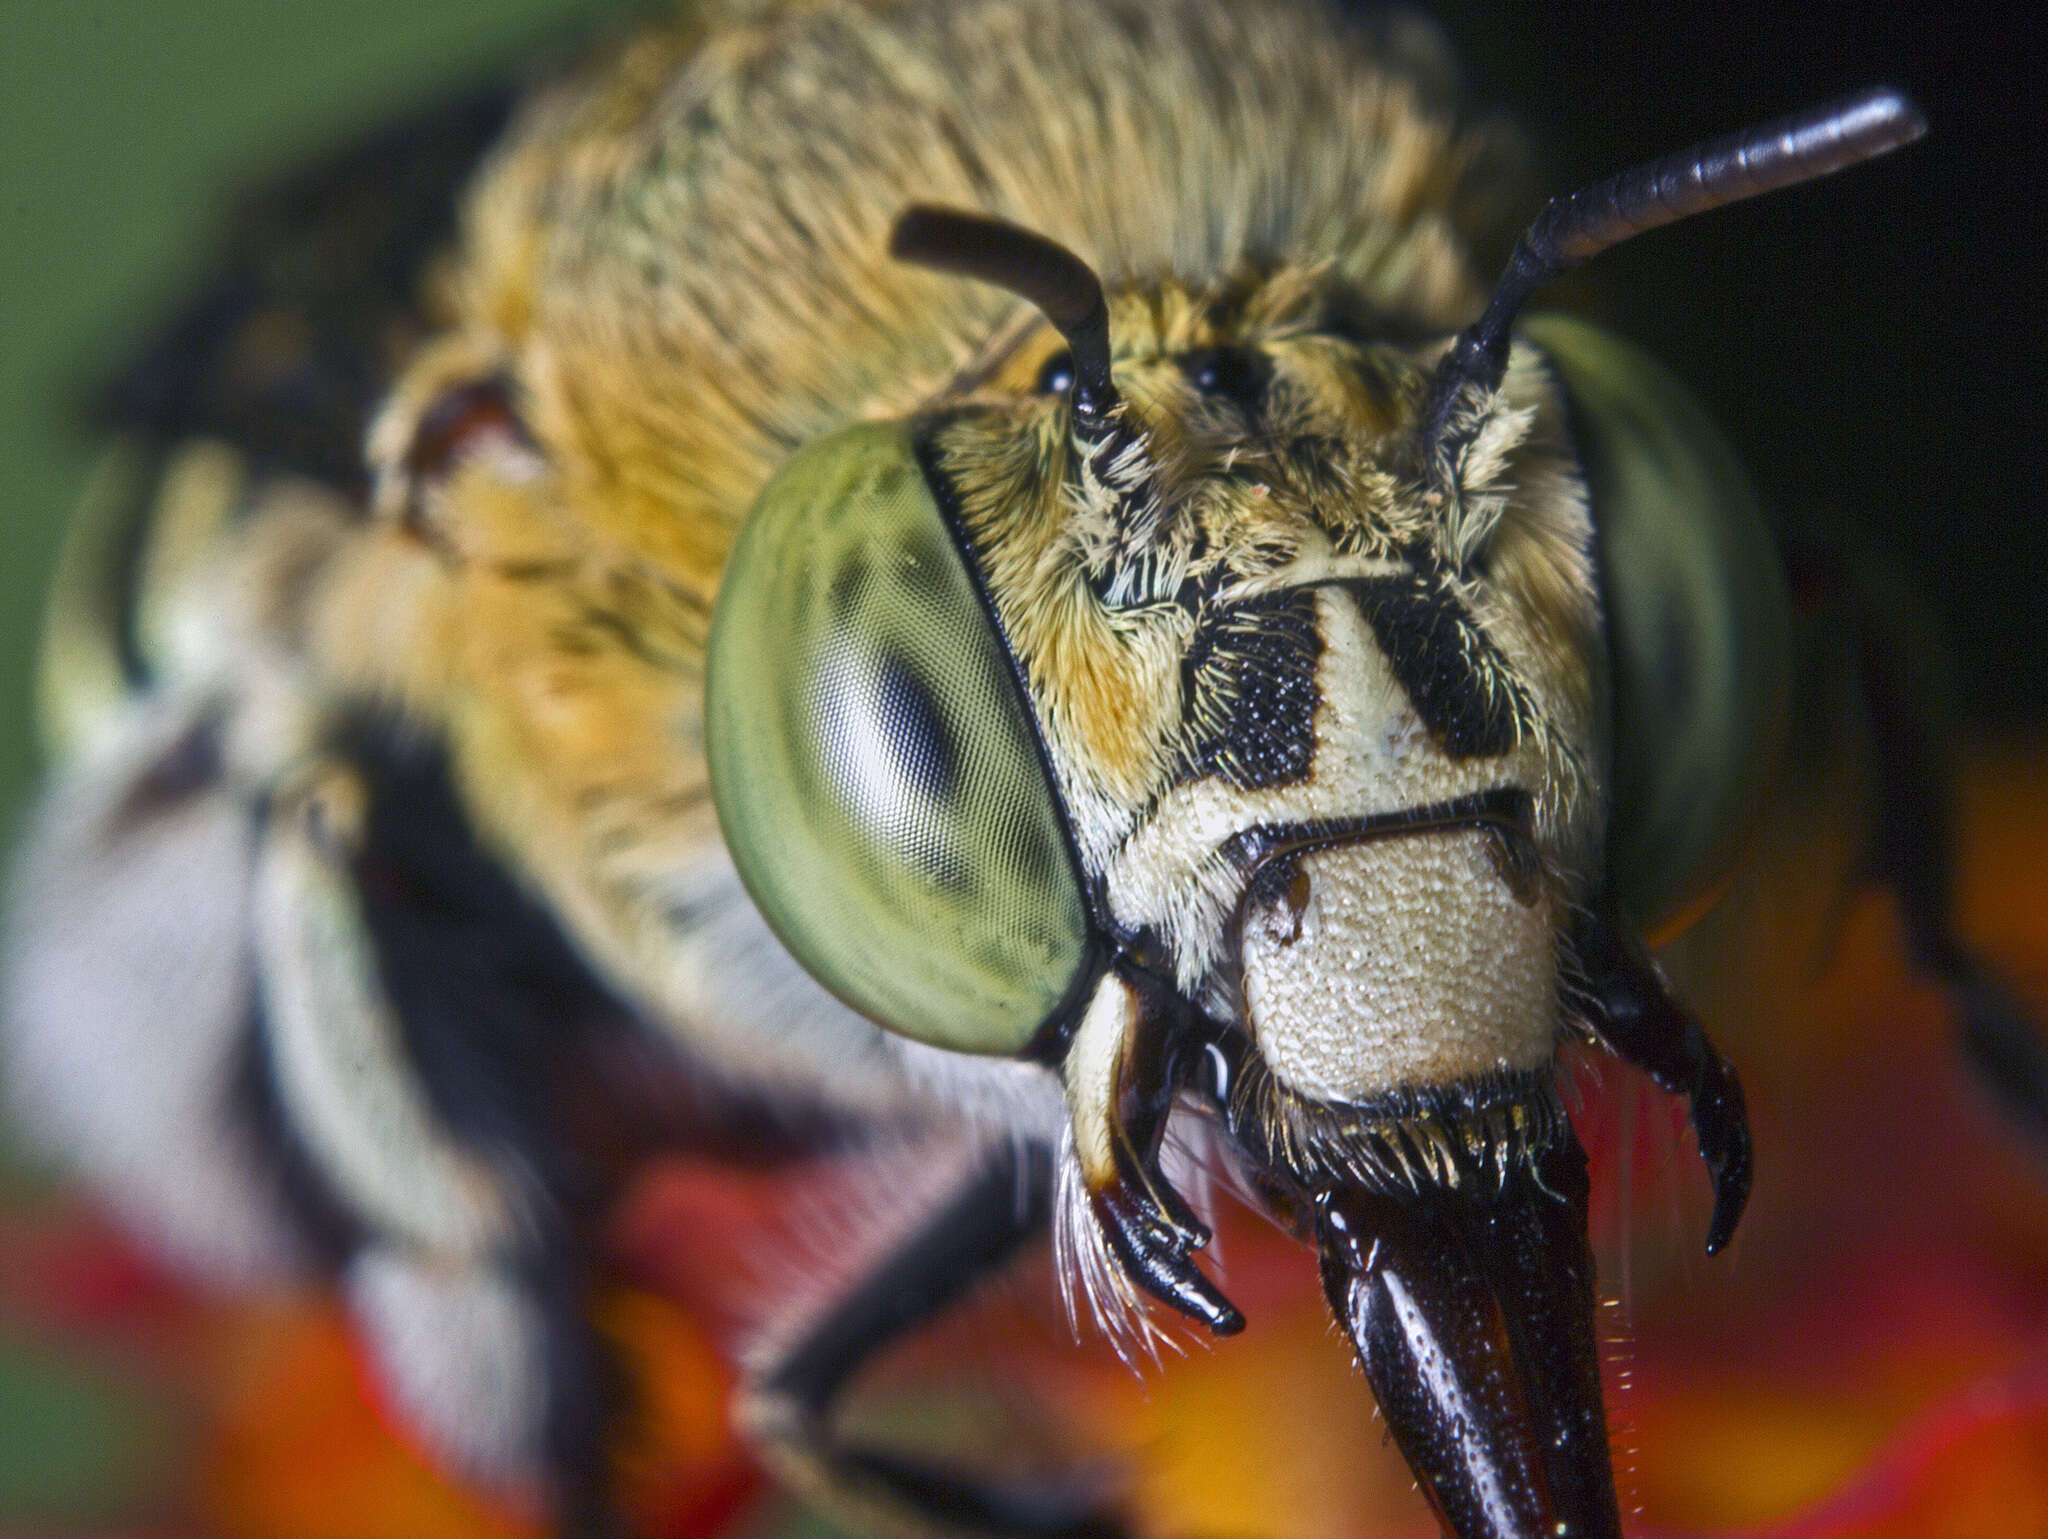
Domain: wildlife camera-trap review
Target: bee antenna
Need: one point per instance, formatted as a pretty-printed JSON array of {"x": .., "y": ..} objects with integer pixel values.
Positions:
[
  {"x": 1801, "y": 147},
  {"x": 1030, "y": 266}
]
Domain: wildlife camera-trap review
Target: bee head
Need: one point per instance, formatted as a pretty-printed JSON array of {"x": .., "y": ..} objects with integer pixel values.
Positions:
[
  {"x": 1326, "y": 735},
  {"x": 1298, "y": 760},
  {"x": 1294, "y": 629}
]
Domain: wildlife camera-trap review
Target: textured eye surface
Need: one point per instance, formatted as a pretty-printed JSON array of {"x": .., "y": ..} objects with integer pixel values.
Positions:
[
  {"x": 1697, "y": 618},
  {"x": 875, "y": 775}
]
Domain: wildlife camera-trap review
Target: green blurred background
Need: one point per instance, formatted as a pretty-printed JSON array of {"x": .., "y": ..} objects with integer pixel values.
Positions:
[{"x": 1872, "y": 345}]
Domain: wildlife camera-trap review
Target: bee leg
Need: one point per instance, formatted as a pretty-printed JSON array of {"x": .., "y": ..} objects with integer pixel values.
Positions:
[
  {"x": 1641, "y": 1021},
  {"x": 1119, "y": 1073},
  {"x": 1911, "y": 851},
  {"x": 787, "y": 1408},
  {"x": 413, "y": 1082}
]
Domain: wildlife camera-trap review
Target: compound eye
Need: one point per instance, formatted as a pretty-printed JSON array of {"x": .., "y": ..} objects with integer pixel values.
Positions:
[
  {"x": 1697, "y": 621},
  {"x": 876, "y": 778}
]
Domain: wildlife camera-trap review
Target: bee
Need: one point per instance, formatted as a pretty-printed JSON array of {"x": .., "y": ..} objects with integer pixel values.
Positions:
[{"x": 987, "y": 579}]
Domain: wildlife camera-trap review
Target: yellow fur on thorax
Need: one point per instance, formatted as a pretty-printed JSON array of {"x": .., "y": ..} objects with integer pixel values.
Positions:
[{"x": 709, "y": 287}]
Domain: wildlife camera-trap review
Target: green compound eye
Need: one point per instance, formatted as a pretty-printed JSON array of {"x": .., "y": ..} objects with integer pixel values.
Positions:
[
  {"x": 1697, "y": 619},
  {"x": 875, "y": 775}
]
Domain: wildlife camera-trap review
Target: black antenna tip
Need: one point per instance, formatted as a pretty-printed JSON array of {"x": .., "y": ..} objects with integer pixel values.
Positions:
[
  {"x": 1883, "y": 118},
  {"x": 1820, "y": 141}
]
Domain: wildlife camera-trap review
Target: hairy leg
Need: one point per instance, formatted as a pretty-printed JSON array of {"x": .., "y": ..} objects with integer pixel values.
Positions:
[{"x": 788, "y": 1406}]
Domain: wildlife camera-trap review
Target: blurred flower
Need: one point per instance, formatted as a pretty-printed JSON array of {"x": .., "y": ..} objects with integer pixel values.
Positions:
[{"x": 1871, "y": 1362}]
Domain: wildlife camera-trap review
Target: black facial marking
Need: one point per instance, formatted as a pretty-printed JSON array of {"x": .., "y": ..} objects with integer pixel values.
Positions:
[
  {"x": 1249, "y": 687},
  {"x": 1458, "y": 683}
]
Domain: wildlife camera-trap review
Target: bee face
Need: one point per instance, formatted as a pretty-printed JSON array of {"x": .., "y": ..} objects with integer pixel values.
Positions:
[
  {"x": 1228, "y": 634},
  {"x": 1255, "y": 637}
]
